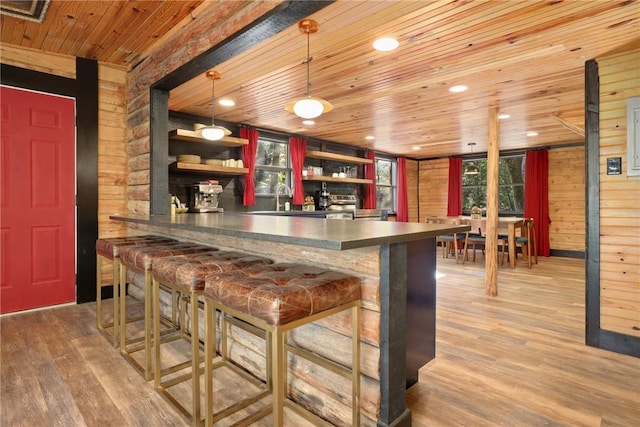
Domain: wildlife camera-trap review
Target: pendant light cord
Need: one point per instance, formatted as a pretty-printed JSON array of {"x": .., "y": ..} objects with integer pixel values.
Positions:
[
  {"x": 308, "y": 63},
  {"x": 213, "y": 97}
]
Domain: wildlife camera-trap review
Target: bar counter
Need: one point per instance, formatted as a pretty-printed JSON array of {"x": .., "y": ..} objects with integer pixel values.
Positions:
[{"x": 396, "y": 262}]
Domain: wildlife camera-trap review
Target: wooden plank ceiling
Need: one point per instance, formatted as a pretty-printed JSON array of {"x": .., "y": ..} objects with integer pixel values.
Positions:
[{"x": 524, "y": 57}]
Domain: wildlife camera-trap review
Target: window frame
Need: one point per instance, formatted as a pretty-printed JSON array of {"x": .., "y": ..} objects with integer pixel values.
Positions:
[
  {"x": 483, "y": 185},
  {"x": 269, "y": 168},
  {"x": 393, "y": 178}
]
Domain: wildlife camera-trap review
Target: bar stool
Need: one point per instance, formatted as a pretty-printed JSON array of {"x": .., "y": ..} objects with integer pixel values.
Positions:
[
  {"x": 279, "y": 298},
  {"x": 186, "y": 275},
  {"x": 140, "y": 259},
  {"x": 109, "y": 248}
]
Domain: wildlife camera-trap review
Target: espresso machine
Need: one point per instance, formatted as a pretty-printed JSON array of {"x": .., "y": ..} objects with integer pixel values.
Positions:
[
  {"x": 204, "y": 197},
  {"x": 322, "y": 198}
]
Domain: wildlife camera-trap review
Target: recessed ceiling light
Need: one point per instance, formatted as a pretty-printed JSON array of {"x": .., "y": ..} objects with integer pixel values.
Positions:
[
  {"x": 504, "y": 116},
  {"x": 308, "y": 122},
  {"x": 369, "y": 137},
  {"x": 531, "y": 133},
  {"x": 385, "y": 44},
  {"x": 416, "y": 147},
  {"x": 227, "y": 102},
  {"x": 458, "y": 88}
]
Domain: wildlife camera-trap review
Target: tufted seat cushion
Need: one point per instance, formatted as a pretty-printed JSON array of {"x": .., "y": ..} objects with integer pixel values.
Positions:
[
  {"x": 110, "y": 247},
  {"x": 140, "y": 258},
  {"x": 282, "y": 293},
  {"x": 188, "y": 272}
]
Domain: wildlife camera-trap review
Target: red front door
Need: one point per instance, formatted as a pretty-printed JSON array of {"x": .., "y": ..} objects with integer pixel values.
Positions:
[{"x": 37, "y": 200}]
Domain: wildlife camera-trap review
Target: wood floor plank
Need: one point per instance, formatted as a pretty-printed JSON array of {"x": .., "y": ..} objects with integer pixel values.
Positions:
[{"x": 518, "y": 359}]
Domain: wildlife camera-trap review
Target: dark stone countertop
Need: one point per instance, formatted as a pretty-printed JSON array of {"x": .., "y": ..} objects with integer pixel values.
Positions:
[{"x": 336, "y": 234}]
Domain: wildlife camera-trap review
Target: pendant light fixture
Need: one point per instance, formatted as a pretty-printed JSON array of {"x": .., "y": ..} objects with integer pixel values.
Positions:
[
  {"x": 308, "y": 107},
  {"x": 471, "y": 169},
  {"x": 213, "y": 132}
]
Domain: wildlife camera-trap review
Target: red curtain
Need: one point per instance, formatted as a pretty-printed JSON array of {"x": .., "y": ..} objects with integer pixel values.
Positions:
[
  {"x": 454, "y": 204},
  {"x": 298, "y": 149},
  {"x": 403, "y": 204},
  {"x": 370, "y": 189},
  {"x": 536, "y": 196},
  {"x": 249, "y": 161}
]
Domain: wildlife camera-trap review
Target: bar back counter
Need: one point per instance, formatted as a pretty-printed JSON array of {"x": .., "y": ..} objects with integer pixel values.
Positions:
[{"x": 397, "y": 265}]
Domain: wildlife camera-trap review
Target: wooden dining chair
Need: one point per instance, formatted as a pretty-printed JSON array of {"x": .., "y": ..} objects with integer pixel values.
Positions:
[
  {"x": 528, "y": 239},
  {"x": 475, "y": 237},
  {"x": 449, "y": 241}
]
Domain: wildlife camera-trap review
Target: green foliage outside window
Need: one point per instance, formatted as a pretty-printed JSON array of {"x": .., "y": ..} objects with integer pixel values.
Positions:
[
  {"x": 272, "y": 165},
  {"x": 510, "y": 182},
  {"x": 385, "y": 184}
]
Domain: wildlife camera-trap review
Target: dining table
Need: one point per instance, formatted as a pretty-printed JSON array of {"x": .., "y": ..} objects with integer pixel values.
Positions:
[{"x": 511, "y": 224}]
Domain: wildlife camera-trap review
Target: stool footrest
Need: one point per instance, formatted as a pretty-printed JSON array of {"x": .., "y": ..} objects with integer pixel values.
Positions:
[
  {"x": 173, "y": 401},
  {"x": 243, "y": 404},
  {"x": 182, "y": 378}
]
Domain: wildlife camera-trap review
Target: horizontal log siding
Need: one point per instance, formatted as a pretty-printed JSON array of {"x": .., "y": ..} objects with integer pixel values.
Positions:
[
  {"x": 567, "y": 199},
  {"x": 112, "y": 161},
  {"x": 619, "y": 200}
]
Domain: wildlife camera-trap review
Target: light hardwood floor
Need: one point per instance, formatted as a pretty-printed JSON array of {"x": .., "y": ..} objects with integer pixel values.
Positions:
[{"x": 514, "y": 360}]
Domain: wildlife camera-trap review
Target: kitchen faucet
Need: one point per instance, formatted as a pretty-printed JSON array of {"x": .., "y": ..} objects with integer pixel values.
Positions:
[{"x": 287, "y": 192}]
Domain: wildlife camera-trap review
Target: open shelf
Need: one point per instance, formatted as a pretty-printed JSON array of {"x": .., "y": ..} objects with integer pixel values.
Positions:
[
  {"x": 337, "y": 179},
  {"x": 206, "y": 169},
  {"x": 192, "y": 136},
  {"x": 324, "y": 155}
]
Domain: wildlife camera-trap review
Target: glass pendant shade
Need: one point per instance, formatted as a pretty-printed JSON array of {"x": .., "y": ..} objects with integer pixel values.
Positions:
[
  {"x": 308, "y": 107},
  {"x": 214, "y": 133}
]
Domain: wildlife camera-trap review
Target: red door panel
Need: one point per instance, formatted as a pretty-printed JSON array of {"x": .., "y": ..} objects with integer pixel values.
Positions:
[{"x": 38, "y": 200}]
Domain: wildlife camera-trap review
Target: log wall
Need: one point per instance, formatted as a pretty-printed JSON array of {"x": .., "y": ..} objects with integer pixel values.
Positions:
[
  {"x": 619, "y": 199},
  {"x": 112, "y": 161}
]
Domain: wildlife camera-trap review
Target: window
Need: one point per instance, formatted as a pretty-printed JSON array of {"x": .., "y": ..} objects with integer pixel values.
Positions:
[
  {"x": 510, "y": 182},
  {"x": 386, "y": 179},
  {"x": 272, "y": 165}
]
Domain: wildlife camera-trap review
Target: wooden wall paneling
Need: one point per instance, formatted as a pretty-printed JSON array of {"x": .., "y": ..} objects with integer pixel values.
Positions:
[
  {"x": 566, "y": 199},
  {"x": 31, "y": 59},
  {"x": 413, "y": 196},
  {"x": 433, "y": 182},
  {"x": 619, "y": 222}
]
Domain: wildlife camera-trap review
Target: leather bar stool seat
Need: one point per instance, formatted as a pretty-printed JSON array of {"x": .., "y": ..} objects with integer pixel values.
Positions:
[
  {"x": 186, "y": 274},
  {"x": 109, "y": 249},
  {"x": 140, "y": 259},
  {"x": 279, "y": 298}
]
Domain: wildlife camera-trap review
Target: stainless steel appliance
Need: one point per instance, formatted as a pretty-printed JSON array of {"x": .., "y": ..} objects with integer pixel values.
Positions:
[
  {"x": 204, "y": 197},
  {"x": 349, "y": 202},
  {"x": 322, "y": 198},
  {"x": 340, "y": 202}
]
